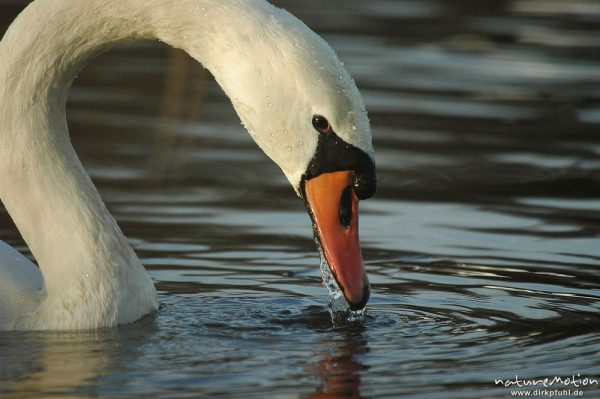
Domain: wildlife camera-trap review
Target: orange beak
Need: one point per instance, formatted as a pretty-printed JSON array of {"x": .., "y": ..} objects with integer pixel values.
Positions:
[{"x": 333, "y": 206}]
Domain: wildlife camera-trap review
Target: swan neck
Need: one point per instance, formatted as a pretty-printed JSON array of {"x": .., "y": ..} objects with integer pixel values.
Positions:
[
  {"x": 91, "y": 273},
  {"x": 69, "y": 33}
]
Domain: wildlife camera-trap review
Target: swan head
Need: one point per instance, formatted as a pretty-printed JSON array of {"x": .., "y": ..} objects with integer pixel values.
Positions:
[{"x": 299, "y": 103}]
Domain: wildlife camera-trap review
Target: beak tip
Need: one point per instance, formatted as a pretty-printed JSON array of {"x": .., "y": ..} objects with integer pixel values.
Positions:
[{"x": 359, "y": 303}]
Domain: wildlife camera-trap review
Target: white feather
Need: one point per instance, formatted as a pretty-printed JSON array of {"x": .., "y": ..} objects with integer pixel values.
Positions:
[{"x": 276, "y": 71}]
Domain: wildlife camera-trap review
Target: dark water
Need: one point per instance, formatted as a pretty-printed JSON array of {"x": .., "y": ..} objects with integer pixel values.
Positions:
[{"x": 482, "y": 243}]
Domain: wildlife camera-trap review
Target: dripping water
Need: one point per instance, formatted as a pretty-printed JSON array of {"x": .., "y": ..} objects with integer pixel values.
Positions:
[{"x": 339, "y": 309}]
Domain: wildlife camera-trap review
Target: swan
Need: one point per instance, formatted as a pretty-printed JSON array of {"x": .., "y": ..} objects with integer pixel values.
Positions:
[{"x": 288, "y": 87}]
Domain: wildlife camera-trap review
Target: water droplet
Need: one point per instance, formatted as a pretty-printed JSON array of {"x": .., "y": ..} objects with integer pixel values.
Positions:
[{"x": 338, "y": 307}]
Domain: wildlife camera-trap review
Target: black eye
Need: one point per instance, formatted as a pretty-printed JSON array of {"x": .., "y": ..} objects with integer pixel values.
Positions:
[{"x": 321, "y": 124}]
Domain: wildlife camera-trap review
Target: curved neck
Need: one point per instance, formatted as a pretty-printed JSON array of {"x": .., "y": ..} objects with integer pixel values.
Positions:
[
  {"x": 66, "y": 34},
  {"x": 42, "y": 182}
]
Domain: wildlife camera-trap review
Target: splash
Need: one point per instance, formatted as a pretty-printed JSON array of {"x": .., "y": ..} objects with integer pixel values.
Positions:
[{"x": 338, "y": 307}]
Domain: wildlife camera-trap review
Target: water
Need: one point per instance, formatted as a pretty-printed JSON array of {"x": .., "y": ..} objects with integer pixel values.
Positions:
[
  {"x": 341, "y": 314},
  {"x": 481, "y": 244}
]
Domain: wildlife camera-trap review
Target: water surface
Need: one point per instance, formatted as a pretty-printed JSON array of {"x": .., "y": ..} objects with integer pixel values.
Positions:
[{"x": 482, "y": 243}]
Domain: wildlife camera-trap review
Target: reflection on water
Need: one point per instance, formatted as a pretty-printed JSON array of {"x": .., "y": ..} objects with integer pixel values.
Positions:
[
  {"x": 481, "y": 244},
  {"x": 52, "y": 365},
  {"x": 340, "y": 368},
  {"x": 181, "y": 103}
]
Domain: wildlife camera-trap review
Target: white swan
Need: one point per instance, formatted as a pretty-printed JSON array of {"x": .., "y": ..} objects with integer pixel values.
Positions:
[{"x": 287, "y": 85}]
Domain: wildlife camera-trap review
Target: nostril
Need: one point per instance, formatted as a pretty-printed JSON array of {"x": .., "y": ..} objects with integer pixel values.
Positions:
[{"x": 346, "y": 207}]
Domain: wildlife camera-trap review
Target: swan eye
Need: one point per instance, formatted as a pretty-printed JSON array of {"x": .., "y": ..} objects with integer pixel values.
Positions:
[{"x": 321, "y": 124}]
